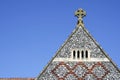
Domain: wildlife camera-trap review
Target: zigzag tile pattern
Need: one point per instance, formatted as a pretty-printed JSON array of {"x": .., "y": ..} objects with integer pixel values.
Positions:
[{"x": 71, "y": 71}]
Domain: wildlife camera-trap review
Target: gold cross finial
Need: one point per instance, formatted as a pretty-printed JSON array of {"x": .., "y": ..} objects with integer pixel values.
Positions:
[{"x": 80, "y": 13}]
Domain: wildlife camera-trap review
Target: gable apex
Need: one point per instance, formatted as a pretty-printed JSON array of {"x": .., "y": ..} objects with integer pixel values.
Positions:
[{"x": 80, "y": 58}]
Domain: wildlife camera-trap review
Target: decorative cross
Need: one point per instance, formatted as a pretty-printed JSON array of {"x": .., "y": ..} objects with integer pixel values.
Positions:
[{"x": 80, "y": 14}]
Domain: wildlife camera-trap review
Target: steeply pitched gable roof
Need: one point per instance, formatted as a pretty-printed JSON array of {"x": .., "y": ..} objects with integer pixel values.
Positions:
[{"x": 64, "y": 67}]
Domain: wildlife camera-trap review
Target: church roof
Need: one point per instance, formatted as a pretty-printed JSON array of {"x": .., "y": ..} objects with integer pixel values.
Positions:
[{"x": 80, "y": 58}]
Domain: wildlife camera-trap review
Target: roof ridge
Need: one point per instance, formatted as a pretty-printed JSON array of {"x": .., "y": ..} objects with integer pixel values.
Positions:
[
  {"x": 57, "y": 52},
  {"x": 98, "y": 45}
]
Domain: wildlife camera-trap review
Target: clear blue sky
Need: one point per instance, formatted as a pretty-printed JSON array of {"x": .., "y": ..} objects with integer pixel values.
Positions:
[{"x": 31, "y": 31}]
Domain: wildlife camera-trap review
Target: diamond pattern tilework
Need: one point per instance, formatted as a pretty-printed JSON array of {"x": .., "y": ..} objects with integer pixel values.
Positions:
[
  {"x": 71, "y": 77},
  {"x": 90, "y": 77},
  {"x": 71, "y": 64},
  {"x": 61, "y": 71},
  {"x": 99, "y": 71},
  {"x": 89, "y": 65},
  {"x": 80, "y": 71}
]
